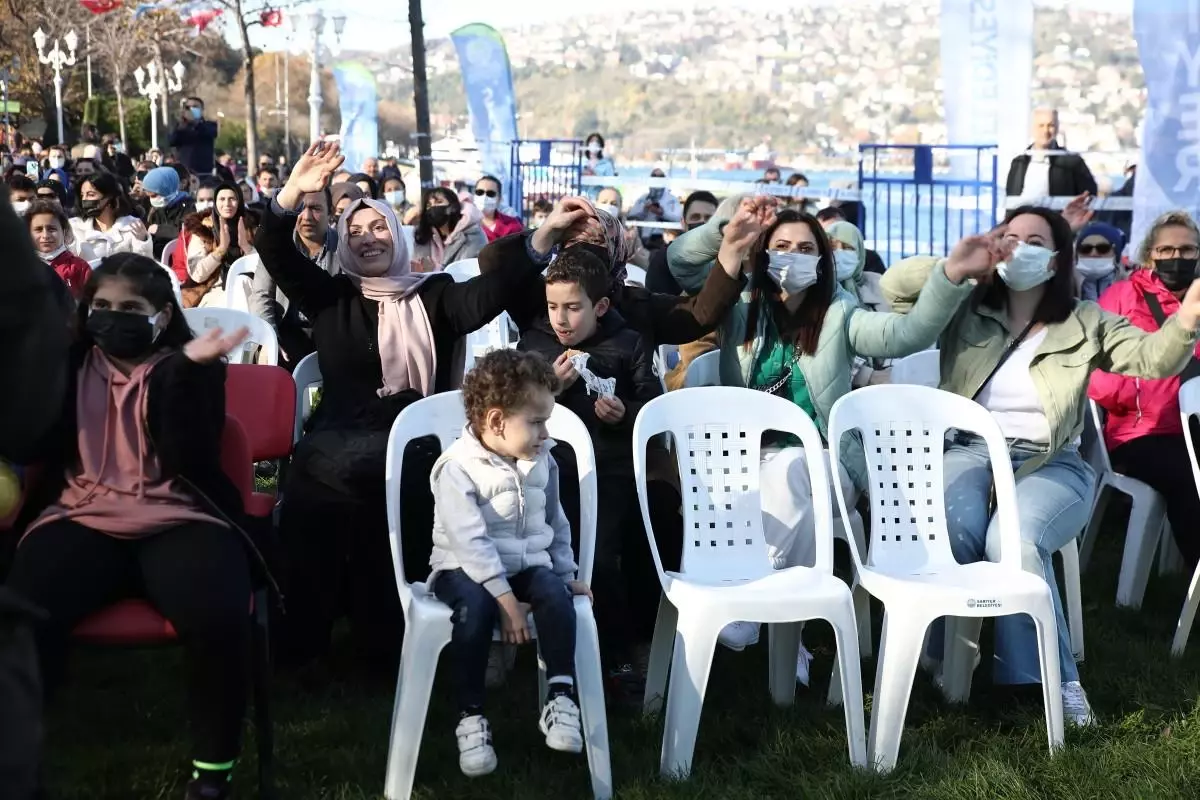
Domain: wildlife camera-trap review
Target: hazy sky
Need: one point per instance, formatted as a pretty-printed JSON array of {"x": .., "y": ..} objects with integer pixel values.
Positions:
[{"x": 386, "y": 23}]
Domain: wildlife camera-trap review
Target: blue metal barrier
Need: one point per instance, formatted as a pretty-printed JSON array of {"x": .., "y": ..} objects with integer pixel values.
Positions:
[
  {"x": 921, "y": 199},
  {"x": 544, "y": 169}
]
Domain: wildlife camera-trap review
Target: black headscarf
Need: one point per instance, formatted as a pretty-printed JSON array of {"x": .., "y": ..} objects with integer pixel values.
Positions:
[{"x": 234, "y": 252}]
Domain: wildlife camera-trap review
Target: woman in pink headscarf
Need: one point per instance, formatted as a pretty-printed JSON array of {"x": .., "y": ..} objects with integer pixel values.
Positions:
[{"x": 385, "y": 337}]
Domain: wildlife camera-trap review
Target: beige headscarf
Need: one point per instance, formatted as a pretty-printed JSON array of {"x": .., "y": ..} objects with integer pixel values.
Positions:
[{"x": 406, "y": 346}]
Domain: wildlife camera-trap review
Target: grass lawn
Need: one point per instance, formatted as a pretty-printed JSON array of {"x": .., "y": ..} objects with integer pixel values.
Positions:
[{"x": 118, "y": 731}]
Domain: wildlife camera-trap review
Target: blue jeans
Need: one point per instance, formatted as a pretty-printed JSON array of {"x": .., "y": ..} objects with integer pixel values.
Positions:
[
  {"x": 476, "y": 614},
  {"x": 1053, "y": 504}
]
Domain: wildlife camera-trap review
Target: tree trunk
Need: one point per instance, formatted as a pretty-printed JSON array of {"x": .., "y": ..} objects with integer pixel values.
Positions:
[
  {"x": 248, "y": 91},
  {"x": 421, "y": 93},
  {"x": 120, "y": 109}
]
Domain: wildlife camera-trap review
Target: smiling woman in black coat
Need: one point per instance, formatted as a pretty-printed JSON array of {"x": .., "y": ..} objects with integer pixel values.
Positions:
[{"x": 385, "y": 337}]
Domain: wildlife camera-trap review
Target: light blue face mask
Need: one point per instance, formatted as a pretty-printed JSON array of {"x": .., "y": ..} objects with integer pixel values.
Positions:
[
  {"x": 793, "y": 272},
  {"x": 1029, "y": 266},
  {"x": 197, "y": 112}
]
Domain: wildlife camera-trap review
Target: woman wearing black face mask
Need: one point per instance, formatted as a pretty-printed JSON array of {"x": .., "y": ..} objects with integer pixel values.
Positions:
[
  {"x": 1143, "y": 430},
  {"x": 448, "y": 231},
  {"x": 105, "y": 221},
  {"x": 136, "y": 502}
]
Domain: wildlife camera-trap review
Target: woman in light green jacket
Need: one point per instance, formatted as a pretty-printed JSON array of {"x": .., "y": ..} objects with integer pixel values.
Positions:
[
  {"x": 1038, "y": 395},
  {"x": 795, "y": 333}
]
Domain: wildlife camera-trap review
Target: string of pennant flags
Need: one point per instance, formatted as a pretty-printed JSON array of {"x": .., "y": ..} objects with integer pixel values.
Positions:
[{"x": 198, "y": 14}]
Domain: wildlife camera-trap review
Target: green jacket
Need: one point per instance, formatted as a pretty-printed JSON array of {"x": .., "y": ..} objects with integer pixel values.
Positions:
[
  {"x": 1089, "y": 339},
  {"x": 848, "y": 330}
]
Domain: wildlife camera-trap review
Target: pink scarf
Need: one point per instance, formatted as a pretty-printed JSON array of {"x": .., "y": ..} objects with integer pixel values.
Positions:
[{"x": 406, "y": 347}]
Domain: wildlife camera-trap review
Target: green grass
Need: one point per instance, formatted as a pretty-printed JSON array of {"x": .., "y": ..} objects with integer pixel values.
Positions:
[{"x": 119, "y": 730}]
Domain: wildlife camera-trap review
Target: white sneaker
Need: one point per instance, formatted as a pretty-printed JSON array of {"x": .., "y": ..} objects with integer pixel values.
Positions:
[
  {"x": 560, "y": 723},
  {"x": 739, "y": 635},
  {"x": 803, "y": 660},
  {"x": 1076, "y": 708},
  {"x": 475, "y": 753}
]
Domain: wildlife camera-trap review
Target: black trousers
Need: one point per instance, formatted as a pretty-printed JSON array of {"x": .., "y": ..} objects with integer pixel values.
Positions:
[
  {"x": 333, "y": 532},
  {"x": 1162, "y": 462},
  {"x": 624, "y": 582},
  {"x": 195, "y": 574}
]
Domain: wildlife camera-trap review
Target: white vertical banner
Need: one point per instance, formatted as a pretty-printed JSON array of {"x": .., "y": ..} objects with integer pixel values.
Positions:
[
  {"x": 1168, "y": 176},
  {"x": 987, "y": 69}
]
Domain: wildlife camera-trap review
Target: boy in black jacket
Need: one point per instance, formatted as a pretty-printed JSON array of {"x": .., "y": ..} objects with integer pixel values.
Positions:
[{"x": 582, "y": 321}]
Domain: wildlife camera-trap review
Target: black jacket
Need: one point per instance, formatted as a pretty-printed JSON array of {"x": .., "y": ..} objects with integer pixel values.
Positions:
[
  {"x": 20, "y": 699},
  {"x": 1069, "y": 175},
  {"x": 185, "y": 418},
  {"x": 195, "y": 144},
  {"x": 659, "y": 318},
  {"x": 616, "y": 351},
  {"x": 33, "y": 341},
  {"x": 345, "y": 326},
  {"x": 169, "y": 221}
]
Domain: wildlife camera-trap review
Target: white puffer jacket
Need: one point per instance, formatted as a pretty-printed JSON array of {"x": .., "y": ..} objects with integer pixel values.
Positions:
[{"x": 494, "y": 518}]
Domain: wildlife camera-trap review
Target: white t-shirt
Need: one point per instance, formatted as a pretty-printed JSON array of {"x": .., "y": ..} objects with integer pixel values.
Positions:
[
  {"x": 1037, "y": 178},
  {"x": 1012, "y": 396}
]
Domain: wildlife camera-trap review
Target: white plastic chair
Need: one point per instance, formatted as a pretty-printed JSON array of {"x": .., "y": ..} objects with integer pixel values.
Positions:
[
  {"x": 409, "y": 234},
  {"x": 1147, "y": 517},
  {"x": 463, "y": 271},
  {"x": 175, "y": 287},
  {"x": 919, "y": 369},
  {"x": 704, "y": 370},
  {"x": 726, "y": 574},
  {"x": 168, "y": 252},
  {"x": 261, "y": 333},
  {"x": 307, "y": 376},
  {"x": 924, "y": 369},
  {"x": 910, "y": 566},
  {"x": 635, "y": 276},
  {"x": 238, "y": 281},
  {"x": 1189, "y": 406},
  {"x": 427, "y": 624}
]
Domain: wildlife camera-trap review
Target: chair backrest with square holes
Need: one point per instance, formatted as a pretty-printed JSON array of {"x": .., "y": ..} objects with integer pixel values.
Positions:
[
  {"x": 903, "y": 431},
  {"x": 442, "y": 415},
  {"x": 718, "y": 433}
]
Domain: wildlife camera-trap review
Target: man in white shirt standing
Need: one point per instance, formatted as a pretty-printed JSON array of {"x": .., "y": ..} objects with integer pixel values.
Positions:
[{"x": 1036, "y": 174}]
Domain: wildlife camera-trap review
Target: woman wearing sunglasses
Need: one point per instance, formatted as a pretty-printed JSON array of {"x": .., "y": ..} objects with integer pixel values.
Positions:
[
  {"x": 1143, "y": 431},
  {"x": 487, "y": 199},
  {"x": 1098, "y": 249}
]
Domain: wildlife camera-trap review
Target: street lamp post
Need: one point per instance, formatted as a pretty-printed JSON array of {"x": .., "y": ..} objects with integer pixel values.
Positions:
[
  {"x": 7, "y": 75},
  {"x": 157, "y": 86},
  {"x": 57, "y": 59},
  {"x": 316, "y": 20}
]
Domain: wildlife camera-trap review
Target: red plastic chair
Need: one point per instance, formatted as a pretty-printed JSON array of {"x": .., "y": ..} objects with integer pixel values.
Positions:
[
  {"x": 263, "y": 399},
  {"x": 136, "y": 623}
]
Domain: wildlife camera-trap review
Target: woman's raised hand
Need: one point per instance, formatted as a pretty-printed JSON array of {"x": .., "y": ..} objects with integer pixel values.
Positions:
[
  {"x": 311, "y": 173},
  {"x": 977, "y": 256},
  {"x": 214, "y": 344},
  {"x": 753, "y": 216}
]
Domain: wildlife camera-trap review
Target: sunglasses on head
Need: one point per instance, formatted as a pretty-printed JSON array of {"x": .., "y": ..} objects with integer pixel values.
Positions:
[
  {"x": 487, "y": 192},
  {"x": 1102, "y": 249}
]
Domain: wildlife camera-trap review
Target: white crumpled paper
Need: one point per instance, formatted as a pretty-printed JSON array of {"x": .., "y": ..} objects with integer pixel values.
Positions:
[{"x": 595, "y": 385}]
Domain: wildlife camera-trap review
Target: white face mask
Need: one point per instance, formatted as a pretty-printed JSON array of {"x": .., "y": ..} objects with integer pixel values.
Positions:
[
  {"x": 57, "y": 162},
  {"x": 1095, "y": 267},
  {"x": 489, "y": 203},
  {"x": 794, "y": 272},
  {"x": 612, "y": 210},
  {"x": 53, "y": 254},
  {"x": 594, "y": 150},
  {"x": 1028, "y": 267},
  {"x": 20, "y": 206},
  {"x": 846, "y": 262},
  {"x": 158, "y": 202},
  {"x": 203, "y": 206},
  {"x": 394, "y": 199}
]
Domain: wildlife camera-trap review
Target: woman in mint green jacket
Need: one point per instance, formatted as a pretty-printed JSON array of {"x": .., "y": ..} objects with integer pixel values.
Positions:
[
  {"x": 1038, "y": 396},
  {"x": 795, "y": 333}
]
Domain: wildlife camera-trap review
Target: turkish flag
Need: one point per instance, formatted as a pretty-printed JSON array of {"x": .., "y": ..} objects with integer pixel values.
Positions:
[
  {"x": 271, "y": 18},
  {"x": 101, "y": 6}
]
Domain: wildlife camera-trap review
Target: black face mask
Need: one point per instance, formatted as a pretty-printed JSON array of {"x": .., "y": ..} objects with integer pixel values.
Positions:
[
  {"x": 437, "y": 216},
  {"x": 121, "y": 334},
  {"x": 691, "y": 226},
  {"x": 1176, "y": 274},
  {"x": 91, "y": 208}
]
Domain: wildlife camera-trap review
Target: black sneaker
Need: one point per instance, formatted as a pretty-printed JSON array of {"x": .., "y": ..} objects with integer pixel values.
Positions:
[
  {"x": 200, "y": 789},
  {"x": 626, "y": 686}
]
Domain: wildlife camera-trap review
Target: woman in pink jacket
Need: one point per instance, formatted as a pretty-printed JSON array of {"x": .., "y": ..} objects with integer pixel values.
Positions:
[{"x": 1143, "y": 430}]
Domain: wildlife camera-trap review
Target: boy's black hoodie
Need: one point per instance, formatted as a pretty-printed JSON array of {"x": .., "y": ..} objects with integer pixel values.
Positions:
[{"x": 617, "y": 351}]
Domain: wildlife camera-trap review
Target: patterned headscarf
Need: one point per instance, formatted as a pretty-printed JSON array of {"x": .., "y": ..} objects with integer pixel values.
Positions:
[{"x": 608, "y": 232}]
